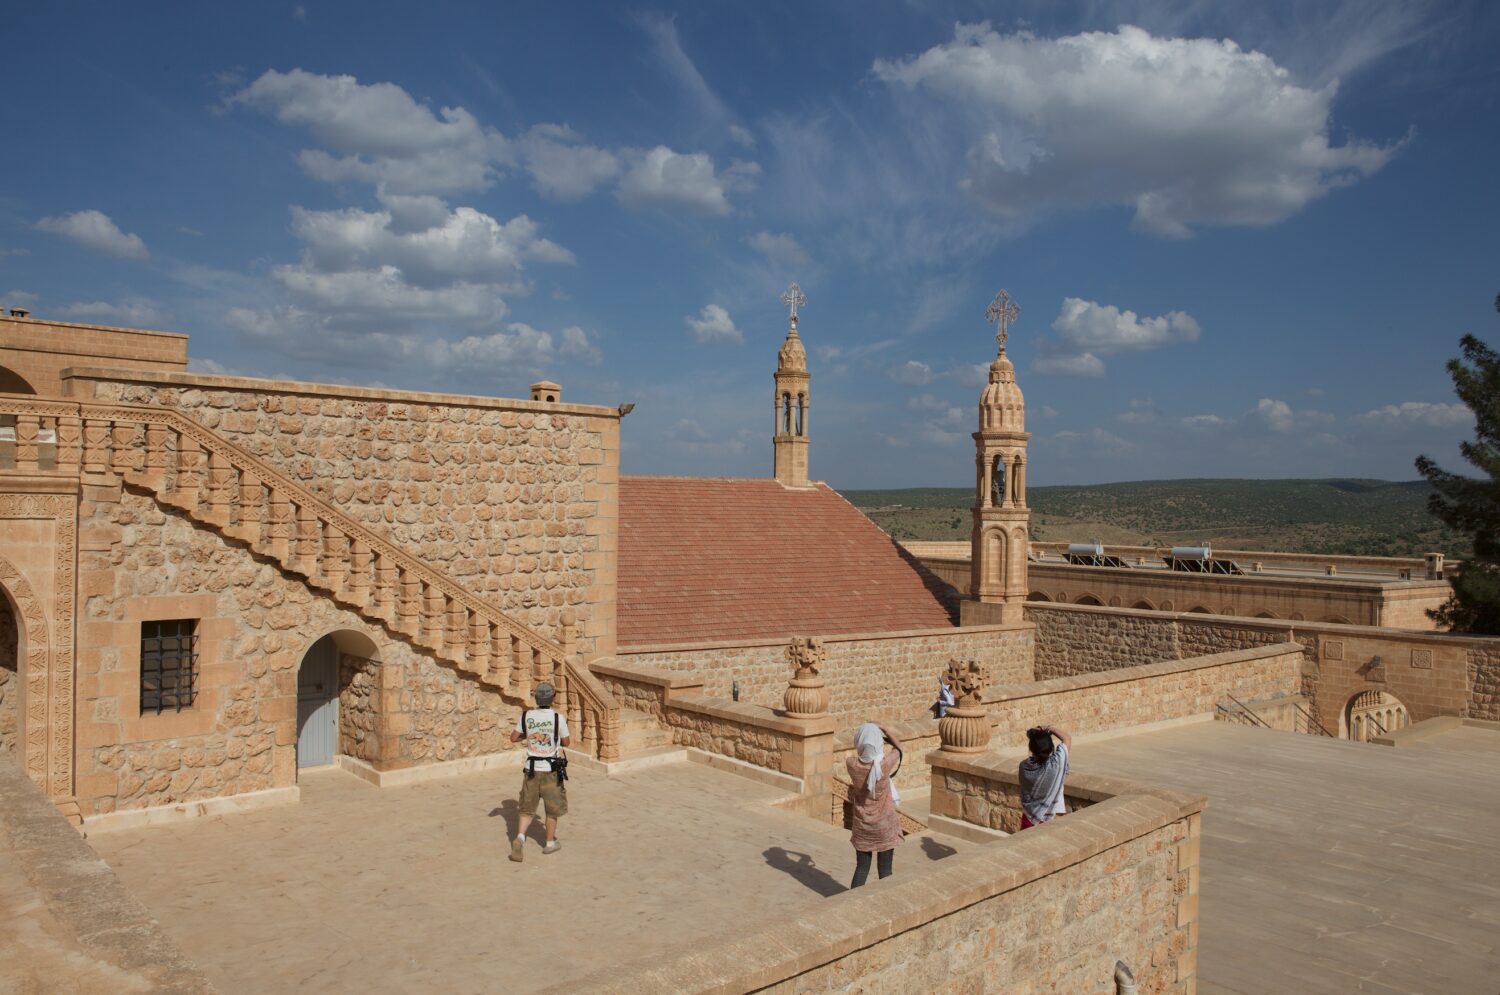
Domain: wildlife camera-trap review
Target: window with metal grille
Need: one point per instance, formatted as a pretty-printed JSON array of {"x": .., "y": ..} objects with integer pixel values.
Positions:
[{"x": 169, "y": 665}]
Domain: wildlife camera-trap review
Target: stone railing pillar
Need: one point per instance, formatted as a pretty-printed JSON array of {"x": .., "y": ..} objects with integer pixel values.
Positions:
[{"x": 965, "y": 728}]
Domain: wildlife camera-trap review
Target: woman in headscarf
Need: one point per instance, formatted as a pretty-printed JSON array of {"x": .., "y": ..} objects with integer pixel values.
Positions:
[{"x": 873, "y": 797}]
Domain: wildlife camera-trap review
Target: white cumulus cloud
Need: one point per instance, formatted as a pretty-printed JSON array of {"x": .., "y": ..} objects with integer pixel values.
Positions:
[
  {"x": 562, "y": 165},
  {"x": 660, "y": 177},
  {"x": 1186, "y": 131},
  {"x": 714, "y": 325},
  {"x": 135, "y": 312},
  {"x": 95, "y": 230},
  {"x": 1085, "y": 331},
  {"x": 379, "y": 133}
]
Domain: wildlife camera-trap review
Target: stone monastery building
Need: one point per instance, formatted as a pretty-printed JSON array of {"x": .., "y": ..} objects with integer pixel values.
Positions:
[{"x": 212, "y": 583}]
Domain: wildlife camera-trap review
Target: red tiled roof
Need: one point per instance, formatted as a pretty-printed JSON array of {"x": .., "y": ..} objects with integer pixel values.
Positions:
[{"x": 708, "y": 559}]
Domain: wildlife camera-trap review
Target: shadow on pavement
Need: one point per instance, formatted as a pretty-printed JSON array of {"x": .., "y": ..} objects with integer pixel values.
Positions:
[
  {"x": 936, "y": 850},
  {"x": 510, "y": 811},
  {"x": 802, "y": 867}
]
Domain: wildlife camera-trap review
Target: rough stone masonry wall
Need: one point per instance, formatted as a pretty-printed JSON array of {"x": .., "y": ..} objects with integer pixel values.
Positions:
[
  {"x": 10, "y": 685},
  {"x": 1140, "y": 695},
  {"x": 870, "y": 678},
  {"x": 1484, "y": 682},
  {"x": 137, "y": 560},
  {"x": 709, "y": 725},
  {"x": 1070, "y": 643},
  {"x": 518, "y": 505}
]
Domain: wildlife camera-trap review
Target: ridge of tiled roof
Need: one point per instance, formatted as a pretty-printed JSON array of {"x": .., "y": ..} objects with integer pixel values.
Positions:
[{"x": 706, "y": 559}]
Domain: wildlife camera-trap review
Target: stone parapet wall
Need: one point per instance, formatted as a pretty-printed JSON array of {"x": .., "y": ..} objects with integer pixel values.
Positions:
[
  {"x": 71, "y": 925},
  {"x": 873, "y": 677},
  {"x": 1155, "y": 692},
  {"x": 516, "y": 500},
  {"x": 1430, "y": 673},
  {"x": 140, "y": 561},
  {"x": 1071, "y": 643},
  {"x": 1483, "y": 666},
  {"x": 1050, "y": 909},
  {"x": 730, "y": 729}
]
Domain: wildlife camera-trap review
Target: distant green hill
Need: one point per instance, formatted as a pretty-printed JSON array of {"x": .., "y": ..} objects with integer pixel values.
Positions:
[{"x": 1358, "y": 517}]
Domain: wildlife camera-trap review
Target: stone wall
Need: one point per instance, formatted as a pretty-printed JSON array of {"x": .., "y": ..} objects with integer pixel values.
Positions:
[
  {"x": 10, "y": 684},
  {"x": 1430, "y": 673},
  {"x": 1155, "y": 692},
  {"x": 1047, "y": 910},
  {"x": 882, "y": 677},
  {"x": 139, "y": 561},
  {"x": 729, "y": 729},
  {"x": 1483, "y": 664},
  {"x": 518, "y": 500},
  {"x": 1072, "y": 643}
]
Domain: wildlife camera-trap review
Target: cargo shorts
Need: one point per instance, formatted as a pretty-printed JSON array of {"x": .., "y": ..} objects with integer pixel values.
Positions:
[{"x": 543, "y": 787}]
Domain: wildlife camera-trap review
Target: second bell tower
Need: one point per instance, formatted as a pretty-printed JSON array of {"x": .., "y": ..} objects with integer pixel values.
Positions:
[
  {"x": 1000, "y": 544},
  {"x": 789, "y": 439}
]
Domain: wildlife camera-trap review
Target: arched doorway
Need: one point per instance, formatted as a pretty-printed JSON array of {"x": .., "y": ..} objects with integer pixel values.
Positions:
[
  {"x": 1089, "y": 599},
  {"x": 328, "y": 667},
  {"x": 1037, "y": 596},
  {"x": 1143, "y": 605},
  {"x": 1373, "y": 713},
  {"x": 11, "y": 711}
]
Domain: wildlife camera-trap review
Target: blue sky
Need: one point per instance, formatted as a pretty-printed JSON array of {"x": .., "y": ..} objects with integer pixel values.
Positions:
[{"x": 1244, "y": 237}]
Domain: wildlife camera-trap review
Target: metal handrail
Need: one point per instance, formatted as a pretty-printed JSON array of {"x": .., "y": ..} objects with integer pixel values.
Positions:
[{"x": 1246, "y": 708}]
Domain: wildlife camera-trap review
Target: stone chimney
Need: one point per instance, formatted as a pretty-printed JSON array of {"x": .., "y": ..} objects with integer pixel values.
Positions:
[{"x": 547, "y": 391}]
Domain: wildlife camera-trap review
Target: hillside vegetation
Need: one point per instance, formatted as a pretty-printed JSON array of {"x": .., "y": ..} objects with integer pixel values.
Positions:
[{"x": 1355, "y": 517}]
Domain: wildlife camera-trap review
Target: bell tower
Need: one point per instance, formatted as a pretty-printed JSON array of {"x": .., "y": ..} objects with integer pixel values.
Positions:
[
  {"x": 789, "y": 438},
  {"x": 1000, "y": 542}
]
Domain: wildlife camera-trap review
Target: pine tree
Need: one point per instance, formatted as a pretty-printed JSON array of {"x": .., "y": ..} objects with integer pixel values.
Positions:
[{"x": 1472, "y": 504}]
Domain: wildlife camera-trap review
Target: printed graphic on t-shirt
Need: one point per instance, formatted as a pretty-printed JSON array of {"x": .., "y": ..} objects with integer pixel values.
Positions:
[{"x": 537, "y": 726}]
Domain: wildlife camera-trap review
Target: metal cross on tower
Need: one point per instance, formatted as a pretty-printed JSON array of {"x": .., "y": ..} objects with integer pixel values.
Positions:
[
  {"x": 793, "y": 299},
  {"x": 1002, "y": 311}
]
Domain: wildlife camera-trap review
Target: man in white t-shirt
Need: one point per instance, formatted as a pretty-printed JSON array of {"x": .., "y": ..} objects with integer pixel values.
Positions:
[{"x": 545, "y": 731}]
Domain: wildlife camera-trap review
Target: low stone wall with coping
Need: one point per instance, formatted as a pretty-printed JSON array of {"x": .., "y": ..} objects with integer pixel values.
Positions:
[
  {"x": 754, "y": 734},
  {"x": 1155, "y": 692},
  {"x": 1431, "y": 673},
  {"x": 1050, "y": 909},
  {"x": 871, "y": 677}
]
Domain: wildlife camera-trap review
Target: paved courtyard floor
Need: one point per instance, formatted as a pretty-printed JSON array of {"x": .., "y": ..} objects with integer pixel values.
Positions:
[
  {"x": 1331, "y": 866},
  {"x": 408, "y": 889}
]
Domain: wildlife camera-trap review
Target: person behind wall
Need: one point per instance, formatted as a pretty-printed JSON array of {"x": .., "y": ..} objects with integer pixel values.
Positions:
[
  {"x": 944, "y": 700},
  {"x": 873, "y": 798},
  {"x": 545, "y": 731},
  {"x": 1042, "y": 775}
]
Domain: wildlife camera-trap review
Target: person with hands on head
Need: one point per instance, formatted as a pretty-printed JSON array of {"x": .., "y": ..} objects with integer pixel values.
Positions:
[
  {"x": 1042, "y": 775},
  {"x": 873, "y": 798}
]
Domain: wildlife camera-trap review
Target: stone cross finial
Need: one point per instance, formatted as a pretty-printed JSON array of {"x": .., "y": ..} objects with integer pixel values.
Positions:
[
  {"x": 793, "y": 299},
  {"x": 966, "y": 680},
  {"x": 1002, "y": 311},
  {"x": 807, "y": 654},
  {"x": 806, "y": 695},
  {"x": 965, "y": 727}
]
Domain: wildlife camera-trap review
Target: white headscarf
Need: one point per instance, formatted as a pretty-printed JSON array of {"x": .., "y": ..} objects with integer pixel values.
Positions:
[{"x": 869, "y": 741}]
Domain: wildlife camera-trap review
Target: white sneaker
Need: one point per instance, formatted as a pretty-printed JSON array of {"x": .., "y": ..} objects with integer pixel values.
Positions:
[{"x": 552, "y": 847}]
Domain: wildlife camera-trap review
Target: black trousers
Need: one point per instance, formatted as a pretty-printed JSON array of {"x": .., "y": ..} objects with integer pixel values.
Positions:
[{"x": 862, "y": 865}]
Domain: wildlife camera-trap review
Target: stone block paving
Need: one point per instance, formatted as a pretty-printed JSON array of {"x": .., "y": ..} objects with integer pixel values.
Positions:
[
  {"x": 1330, "y": 866},
  {"x": 405, "y": 889}
]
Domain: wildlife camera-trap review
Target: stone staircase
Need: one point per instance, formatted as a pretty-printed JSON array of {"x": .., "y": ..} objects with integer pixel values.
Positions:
[{"x": 186, "y": 466}]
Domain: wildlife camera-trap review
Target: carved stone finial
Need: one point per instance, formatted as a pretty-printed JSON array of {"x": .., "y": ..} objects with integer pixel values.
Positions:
[
  {"x": 806, "y": 695},
  {"x": 965, "y": 727}
]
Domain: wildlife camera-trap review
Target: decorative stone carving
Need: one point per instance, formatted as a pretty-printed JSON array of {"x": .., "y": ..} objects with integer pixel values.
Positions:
[
  {"x": 806, "y": 694},
  {"x": 965, "y": 728}
]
